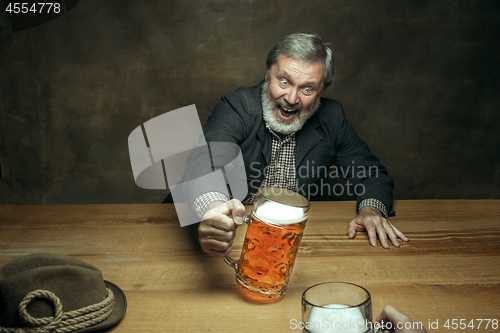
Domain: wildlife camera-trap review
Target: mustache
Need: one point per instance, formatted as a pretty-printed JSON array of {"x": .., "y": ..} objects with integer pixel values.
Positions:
[{"x": 284, "y": 104}]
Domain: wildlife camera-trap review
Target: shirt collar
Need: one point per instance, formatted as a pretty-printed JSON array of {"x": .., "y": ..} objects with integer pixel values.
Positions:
[{"x": 284, "y": 139}]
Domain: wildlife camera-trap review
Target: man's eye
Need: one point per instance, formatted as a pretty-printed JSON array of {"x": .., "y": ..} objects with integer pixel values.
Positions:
[
  {"x": 284, "y": 82},
  {"x": 308, "y": 91}
]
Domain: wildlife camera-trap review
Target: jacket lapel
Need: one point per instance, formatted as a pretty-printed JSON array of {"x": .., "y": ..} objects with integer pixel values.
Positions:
[
  {"x": 264, "y": 137},
  {"x": 307, "y": 138}
]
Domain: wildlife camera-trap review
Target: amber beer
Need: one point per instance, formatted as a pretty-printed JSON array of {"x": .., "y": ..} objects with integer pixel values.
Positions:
[
  {"x": 269, "y": 252},
  {"x": 272, "y": 240}
]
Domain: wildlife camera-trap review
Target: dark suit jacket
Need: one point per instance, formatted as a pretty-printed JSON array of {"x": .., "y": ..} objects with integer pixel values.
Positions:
[{"x": 326, "y": 139}]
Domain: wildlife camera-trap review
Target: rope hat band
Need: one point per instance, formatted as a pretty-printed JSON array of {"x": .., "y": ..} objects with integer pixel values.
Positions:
[
  {"x": 50, "y": 293},
  {"x": 61, "y": 322}
]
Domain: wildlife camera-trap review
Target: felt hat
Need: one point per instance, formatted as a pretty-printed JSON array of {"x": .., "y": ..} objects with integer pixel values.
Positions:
[{"x": 57, "y": 293}]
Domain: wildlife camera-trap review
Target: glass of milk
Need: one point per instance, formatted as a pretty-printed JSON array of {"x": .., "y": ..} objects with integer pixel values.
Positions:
[{"x": 337, "y": 307}]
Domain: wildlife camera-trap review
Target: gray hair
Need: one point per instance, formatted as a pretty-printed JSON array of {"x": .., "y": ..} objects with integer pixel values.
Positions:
[{"x": 304, "y": 47}]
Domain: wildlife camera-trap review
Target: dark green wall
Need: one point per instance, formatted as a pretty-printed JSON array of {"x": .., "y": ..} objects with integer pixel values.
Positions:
[{"x": 419, "y": 80}]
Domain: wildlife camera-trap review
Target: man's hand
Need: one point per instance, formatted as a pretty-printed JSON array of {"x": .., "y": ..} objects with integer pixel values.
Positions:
[
  {"x": 399, "y": 321},
  {"x": 218, "y": 226},
  {"x": 371, "y": 220}
]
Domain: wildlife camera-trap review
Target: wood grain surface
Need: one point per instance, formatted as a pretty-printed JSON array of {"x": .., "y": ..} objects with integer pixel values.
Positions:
[{"x": 449, "y": 270}]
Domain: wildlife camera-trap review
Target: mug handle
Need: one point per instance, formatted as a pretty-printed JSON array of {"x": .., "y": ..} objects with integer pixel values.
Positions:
[{"x": 230, "y": 261}]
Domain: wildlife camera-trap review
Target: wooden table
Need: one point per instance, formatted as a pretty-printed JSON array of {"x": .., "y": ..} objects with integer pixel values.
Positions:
[{"x": 450, "y": 269}]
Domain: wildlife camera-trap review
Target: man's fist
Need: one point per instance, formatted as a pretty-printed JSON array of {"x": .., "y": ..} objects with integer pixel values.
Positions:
[{"x": 218, "y": 227}]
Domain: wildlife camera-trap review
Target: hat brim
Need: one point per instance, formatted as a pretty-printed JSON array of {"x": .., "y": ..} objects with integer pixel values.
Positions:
[{"x": 119, "y": 307}]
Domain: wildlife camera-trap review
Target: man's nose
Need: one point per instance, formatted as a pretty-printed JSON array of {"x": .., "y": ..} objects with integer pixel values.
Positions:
[{"x": 292, "y": 97}]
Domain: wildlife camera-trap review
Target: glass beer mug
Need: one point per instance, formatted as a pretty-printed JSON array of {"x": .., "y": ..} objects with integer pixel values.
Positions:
[
  {"x": 272, "y": 240},
  {"x": 337, "y": 307}
]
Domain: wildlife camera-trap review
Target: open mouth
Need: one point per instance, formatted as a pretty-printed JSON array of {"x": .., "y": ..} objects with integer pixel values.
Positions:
[{"x": 286, "y": 114}]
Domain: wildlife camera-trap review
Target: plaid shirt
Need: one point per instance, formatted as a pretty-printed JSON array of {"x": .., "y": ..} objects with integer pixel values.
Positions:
[{"x": 280, "y": 173}]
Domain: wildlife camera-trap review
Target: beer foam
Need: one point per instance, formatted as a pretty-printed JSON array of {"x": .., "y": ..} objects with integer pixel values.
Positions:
[
  {"x": 275, "y": 213},
  {"x": 336, "y": 318}
]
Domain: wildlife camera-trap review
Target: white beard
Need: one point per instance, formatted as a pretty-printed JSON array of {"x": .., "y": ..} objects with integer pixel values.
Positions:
[{"x": 278, "y": 125}]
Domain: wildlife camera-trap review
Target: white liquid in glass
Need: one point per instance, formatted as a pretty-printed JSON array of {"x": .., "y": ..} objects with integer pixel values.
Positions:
[{"x": 336, "y": 318}]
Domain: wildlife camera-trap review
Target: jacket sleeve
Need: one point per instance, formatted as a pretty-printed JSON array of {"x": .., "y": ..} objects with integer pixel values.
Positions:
[
  {"x": 362, "y": 169},
  {"x": 217, "y": 147}
]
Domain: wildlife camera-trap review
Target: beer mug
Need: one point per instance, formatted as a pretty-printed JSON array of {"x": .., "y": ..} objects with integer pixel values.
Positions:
[
  {"x": 272, "y": 240},
  {"x": 338, "y": 307}
]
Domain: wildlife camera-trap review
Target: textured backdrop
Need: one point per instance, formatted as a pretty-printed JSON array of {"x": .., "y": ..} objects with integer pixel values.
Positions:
[{"x": 419, "y": 80}]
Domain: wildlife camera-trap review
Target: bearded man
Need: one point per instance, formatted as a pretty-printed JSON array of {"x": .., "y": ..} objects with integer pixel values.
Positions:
[{"x": 282, "y": 125}]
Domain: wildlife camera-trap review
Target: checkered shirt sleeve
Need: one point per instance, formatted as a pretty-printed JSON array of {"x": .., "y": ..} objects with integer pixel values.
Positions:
[
  {"x": 203, "y": 201},
  {"x": 375, "y": 204}
]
